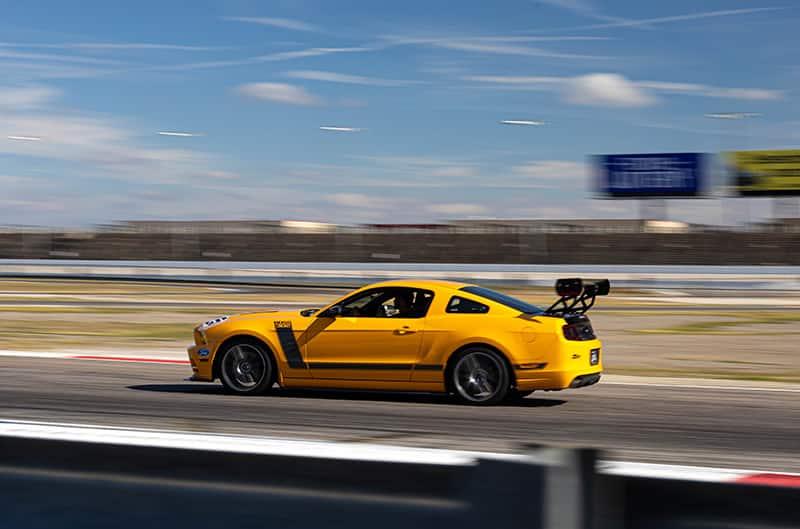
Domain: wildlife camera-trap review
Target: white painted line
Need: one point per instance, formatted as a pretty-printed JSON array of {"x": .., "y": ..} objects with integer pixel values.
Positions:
[
  {"x": 35, "y": 354},
  {"x": 656, "y": 384},
  {"x": 342, "y": 450},
  {"x": 732, "y": 301},
  {"x": 660, "y": 471},
  {"x": 130, "y": 356},
  {"x": 242, "y": 444}
]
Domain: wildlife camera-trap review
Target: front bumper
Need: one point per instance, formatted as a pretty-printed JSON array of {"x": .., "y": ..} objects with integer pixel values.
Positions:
[{"x": 200, "y": 359}]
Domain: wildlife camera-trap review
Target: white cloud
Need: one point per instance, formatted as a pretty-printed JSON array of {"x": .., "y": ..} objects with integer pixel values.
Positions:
[
  {"x": 537, "y": 38},
  {"x": 458, "y": 208},
  {"x": 310, "y": 52},
  {"x": 356, "y": 200},
  {"x": 276, "y": 22},
  {"x": 109, "y": 46},
  {"x": 26, "y": 97},
  {"x": 25, "y": 71},
  {"x": 624, "y": 23},
  {"x": 334, "y": 77},
  {"x": 615, "y": 90},
  {"x": 272, "y": 57},
  {"x": 753, "y": 94},
  {"x": 552, "y": 169},
  {"x": 101, "y": 146},
  {"x": 583, "y": 8},
  {"x": 13, "y": 180},
  {"x": 279, "y": 93},
  {"x": 508, "y": 49},
  {"x": 606, "y": 89},
  {"x": 522, "y": 80},
  {"x": 15, "y": 55},
  {"x": 453, "y": 171}
]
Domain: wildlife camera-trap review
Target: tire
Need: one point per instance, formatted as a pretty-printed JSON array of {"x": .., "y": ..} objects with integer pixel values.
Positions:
[
  {"x": 479, "y": 376},
  {"x": 516, "y": 394},
  {"x": 247, "y": 368}
]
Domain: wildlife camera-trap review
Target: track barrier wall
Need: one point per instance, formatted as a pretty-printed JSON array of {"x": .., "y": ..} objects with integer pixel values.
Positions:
[
  {"x": 56, "y": 483},
  {"x": 701, "y": 248}
]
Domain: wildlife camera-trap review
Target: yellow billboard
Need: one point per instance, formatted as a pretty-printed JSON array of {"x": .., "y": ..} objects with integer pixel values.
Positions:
[{"x": 765, "y": 173}]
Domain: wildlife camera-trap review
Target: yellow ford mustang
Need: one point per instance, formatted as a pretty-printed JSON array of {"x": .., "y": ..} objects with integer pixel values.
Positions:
[{"x": 434, "y": 336}]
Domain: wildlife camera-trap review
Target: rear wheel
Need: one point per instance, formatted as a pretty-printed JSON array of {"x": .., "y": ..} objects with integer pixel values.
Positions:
[
  {"x": 480, "y": 376},
  {"x": 246, "y": 368}
]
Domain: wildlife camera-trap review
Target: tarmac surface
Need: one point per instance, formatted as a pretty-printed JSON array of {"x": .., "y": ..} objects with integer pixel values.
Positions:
[{"x": 738, "y": 425}]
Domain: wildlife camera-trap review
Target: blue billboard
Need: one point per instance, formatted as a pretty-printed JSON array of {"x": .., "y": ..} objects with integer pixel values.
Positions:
[{"x": 649, "y": 175}]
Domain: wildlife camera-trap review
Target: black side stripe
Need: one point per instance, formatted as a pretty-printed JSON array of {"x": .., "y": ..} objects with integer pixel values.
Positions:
[
  {"x": 374, "y": 366},
  {"x": 353, "y": 365},
  {"x": 429, "y": 367},
  {"x": 289, "y": 345}
]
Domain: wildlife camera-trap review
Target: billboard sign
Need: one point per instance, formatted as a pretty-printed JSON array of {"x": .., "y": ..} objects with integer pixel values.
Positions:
[
  {"x": 650, "y": 175},
  {"x": 765, "y": 173}
]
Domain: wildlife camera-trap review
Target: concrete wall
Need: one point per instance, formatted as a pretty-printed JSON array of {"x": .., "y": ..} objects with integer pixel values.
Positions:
[{"x": 710, "y": 248}]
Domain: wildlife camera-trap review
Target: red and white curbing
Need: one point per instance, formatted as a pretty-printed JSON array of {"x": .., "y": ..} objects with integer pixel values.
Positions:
[
  {"x": 362, "y": 451},
  {"x": 168, "y": 358}
]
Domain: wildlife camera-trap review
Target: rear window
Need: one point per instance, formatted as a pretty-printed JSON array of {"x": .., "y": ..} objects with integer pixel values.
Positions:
[
  {"x": 460, "y": 305},
  {"x": 504, "y": 299}
]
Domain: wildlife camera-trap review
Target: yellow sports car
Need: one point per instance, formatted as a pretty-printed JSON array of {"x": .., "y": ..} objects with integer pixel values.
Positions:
[{"x": 433, "y": 336}]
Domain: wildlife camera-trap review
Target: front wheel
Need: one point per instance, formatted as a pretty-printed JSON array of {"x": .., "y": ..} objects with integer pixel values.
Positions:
[
  {"x": 480, "y": 376},
  {"x": 247, "y": 368}
]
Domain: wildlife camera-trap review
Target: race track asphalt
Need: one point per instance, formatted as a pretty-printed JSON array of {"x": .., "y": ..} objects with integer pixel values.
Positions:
[{"x": 744, "y": 428}]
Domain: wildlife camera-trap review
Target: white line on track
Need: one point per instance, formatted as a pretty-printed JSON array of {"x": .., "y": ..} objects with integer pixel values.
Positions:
[
  {"x": 341, "y": 450},
  {"x": 242, "y": 444},
  {"x": 657, "y": 384}
]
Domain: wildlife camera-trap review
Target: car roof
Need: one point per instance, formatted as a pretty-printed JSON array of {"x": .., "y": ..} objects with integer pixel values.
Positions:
[{"x": 420, "y": 283}]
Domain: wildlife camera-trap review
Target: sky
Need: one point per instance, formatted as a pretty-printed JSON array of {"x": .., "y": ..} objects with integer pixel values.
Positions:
[{"x": 377, "y": 112}]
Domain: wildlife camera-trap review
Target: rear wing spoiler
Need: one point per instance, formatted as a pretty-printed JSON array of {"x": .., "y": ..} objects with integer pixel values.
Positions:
[{"x": 576, "y": 296}]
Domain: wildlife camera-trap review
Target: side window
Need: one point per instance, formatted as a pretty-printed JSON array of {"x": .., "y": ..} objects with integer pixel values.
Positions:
[
  {"x": 397, "y": 302},
  {"x": 465, "y": 306},
  {"x": 364, "y": 304},
  {"x": 407, "y": 303}
]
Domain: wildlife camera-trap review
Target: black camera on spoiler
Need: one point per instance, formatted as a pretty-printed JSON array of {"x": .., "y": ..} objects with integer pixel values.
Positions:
[{"x": 577, "y": 295}]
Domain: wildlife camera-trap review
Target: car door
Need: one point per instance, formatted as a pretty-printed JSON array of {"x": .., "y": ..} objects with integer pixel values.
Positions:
[{"x": 372, "y": 339}]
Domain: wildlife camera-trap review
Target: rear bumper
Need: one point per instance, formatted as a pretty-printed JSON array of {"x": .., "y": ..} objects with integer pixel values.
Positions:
[
  {"x": 585, "y": 380},
  {"x": 555, "y": 380}
]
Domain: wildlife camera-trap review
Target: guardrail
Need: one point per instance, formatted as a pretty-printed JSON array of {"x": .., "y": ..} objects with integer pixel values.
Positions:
[
  {"x": 353, "y": 274},
  {"x": 151, "y": 479}
]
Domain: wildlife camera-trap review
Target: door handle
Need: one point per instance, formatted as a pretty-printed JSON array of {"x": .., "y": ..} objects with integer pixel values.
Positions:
[{"x": 404, "y": 330}]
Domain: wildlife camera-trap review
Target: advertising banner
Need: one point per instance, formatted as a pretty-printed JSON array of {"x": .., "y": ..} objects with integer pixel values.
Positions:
[
  {"x": 764, "y": 173},
  {"x": 649, "y": 175}
]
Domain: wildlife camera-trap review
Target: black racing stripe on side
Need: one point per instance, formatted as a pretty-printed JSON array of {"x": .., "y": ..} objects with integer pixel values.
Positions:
[
  {"x": 428, "y": 367},
  {"x": 354, "y": 365},
  {"x": 290, "y": 349}
]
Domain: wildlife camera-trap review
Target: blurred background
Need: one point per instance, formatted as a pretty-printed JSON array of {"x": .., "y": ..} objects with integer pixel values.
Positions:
[{"x": 164, "y": 163}]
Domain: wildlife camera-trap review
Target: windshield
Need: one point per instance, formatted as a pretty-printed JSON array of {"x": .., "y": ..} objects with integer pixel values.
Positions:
[{"x": 503, "y": 299}]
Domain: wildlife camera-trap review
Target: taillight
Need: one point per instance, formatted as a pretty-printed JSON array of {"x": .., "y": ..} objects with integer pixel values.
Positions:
[{"x": 579, "y": 331}]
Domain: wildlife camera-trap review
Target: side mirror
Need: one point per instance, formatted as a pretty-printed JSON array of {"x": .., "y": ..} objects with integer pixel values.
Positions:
[{"x": 332, "y": 312}]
